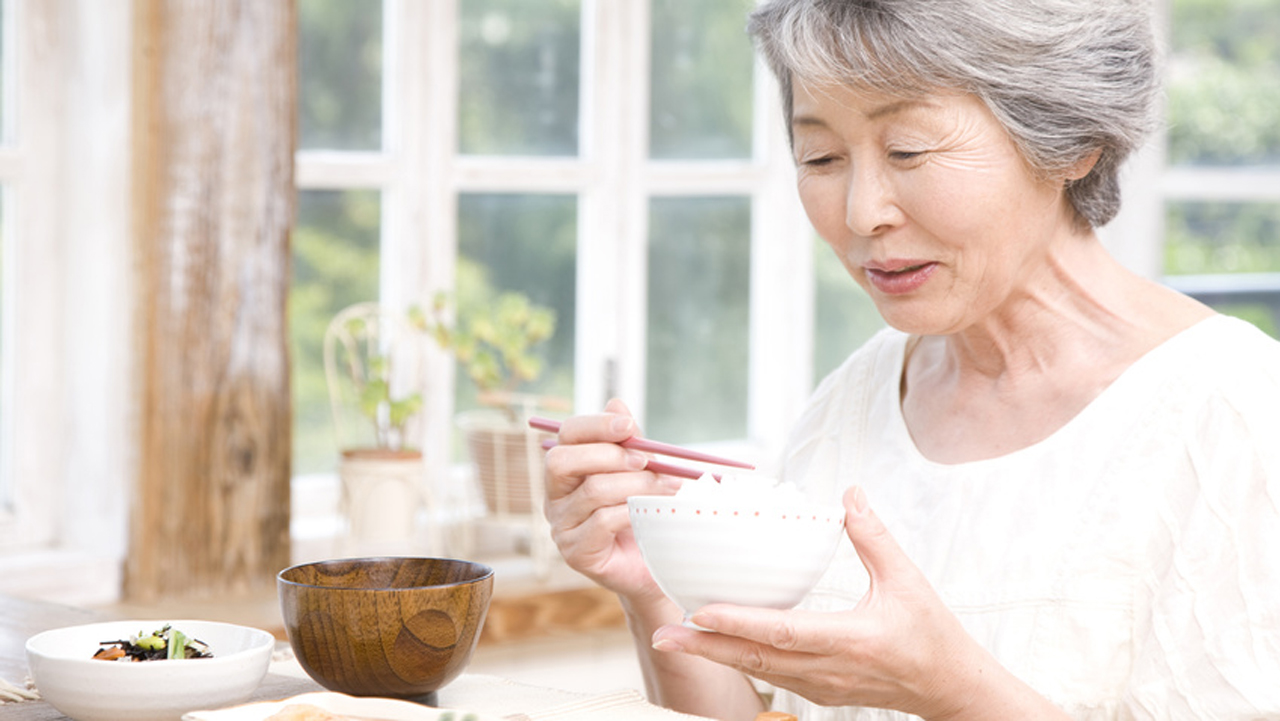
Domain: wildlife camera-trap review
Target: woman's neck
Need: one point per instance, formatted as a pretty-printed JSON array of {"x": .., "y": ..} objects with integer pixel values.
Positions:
[{"x": 1039, "y": 359}]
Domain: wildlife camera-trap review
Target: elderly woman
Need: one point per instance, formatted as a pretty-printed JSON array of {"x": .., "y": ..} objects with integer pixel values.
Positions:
[{"x": 1074, "y": 471}]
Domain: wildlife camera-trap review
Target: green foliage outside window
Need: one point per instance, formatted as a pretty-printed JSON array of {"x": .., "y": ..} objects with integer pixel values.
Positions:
[
  {"x": 696, "y": 380},
  {"x": 335, "y": 264},
  {"x": 1222, "y": 238},
  {"x": 519, "y": 65},
  {"x": 1224, "y": 82},
  {"x": 701, "y": 80},
  {"x": 526, "y": 244},
  {"x": 1224, "y": 110},
  {"x": 340, "y": 74}
]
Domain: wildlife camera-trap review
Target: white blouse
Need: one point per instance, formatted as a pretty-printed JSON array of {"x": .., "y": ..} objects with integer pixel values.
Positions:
[{"x": 1126, "y": 567}]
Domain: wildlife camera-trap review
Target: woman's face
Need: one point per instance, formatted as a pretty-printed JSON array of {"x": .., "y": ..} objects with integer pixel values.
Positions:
[{"x": 927, "y": 202}]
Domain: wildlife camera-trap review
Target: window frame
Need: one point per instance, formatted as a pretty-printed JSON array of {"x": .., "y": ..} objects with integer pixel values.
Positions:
[{"x": 421, "y": 175}]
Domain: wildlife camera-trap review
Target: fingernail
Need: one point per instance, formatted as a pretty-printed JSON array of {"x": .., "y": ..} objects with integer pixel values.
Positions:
[
  {"x": 636, "y": 460},
  {"x": 701, "y": 620},
  {"x": 621, "y": 424},
  {"x": 859, "y": 500},
  {"x": 671, "y": 483},
  {"x": 662, "y": 643},
  {"x": 666, "y": 644}
]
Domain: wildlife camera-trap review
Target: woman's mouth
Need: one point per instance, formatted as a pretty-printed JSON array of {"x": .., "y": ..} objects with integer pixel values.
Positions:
[{"x": 899, "y": 278}]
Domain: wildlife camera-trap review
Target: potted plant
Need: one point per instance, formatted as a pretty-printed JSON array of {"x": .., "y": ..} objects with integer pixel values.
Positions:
[
  {"x": 495, "y": 341},
  {"x": 374, "y": 365}
]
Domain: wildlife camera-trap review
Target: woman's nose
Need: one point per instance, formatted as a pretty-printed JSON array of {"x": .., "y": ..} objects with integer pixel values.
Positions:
[{"x": 870, "y": 207}]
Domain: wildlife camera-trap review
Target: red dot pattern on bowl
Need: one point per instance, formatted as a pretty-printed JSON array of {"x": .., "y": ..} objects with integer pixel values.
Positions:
[{"x": 715, "y": 512}]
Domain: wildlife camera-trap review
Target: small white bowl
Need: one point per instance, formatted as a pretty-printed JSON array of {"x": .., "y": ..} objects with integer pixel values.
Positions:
[
  {"x": 744, "y": 552},
  {"x": 70, "y": 680}
]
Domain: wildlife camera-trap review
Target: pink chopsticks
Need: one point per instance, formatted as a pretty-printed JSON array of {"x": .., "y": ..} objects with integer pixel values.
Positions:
[{"x": 644, "y": 444}]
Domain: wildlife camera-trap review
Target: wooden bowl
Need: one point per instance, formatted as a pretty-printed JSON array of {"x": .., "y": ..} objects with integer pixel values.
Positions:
[{"x": 393, "y": 627}]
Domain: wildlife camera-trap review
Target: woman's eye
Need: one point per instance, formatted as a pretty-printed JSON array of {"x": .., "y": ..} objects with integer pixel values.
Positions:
[
  {"x": 905, "y": 155},
  {"x": 818, "y": 161}
]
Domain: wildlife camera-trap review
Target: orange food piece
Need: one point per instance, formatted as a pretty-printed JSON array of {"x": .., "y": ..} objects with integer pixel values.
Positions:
[{"x": 109, "y": 653}]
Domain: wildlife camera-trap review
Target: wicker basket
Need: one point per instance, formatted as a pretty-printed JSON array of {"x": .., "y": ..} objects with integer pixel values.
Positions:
[{"x": 508, "y": 462}]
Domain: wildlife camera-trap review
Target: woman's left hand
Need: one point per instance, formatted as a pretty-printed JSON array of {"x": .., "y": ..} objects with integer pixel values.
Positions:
[{"x": 899, "y": 648}]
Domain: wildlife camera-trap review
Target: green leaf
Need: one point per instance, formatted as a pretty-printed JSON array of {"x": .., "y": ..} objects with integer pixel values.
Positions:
[
  {"x": 374, "y": 395},
  {"x": 177, "y": 644},
  {"x": 402, "y": 410},
  {"x": 355, "y": 326}
]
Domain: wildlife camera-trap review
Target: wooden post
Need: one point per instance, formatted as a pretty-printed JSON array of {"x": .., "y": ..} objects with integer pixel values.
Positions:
[{"x": 214, "y": 135}]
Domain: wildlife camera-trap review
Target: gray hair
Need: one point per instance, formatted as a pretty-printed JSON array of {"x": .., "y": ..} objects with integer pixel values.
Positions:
[{"x": 1065, "y": 78}]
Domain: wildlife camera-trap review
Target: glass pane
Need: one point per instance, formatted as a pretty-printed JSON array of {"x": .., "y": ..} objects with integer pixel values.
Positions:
[
  {"x": 340, "y": 74},
  {"x": 1203, "y": 237},
  {"x": 525, "y": 244},
  {"x": 519, "y": 67},
  {"x": 701, "y": 80},
  {"x": 699, "y": 301},
  {"x": 844, "y": 316},
  {"x": 1224, "y": 83},
  {"x": 1240, "y": 241},
  {"x": 335, "y": 264}
]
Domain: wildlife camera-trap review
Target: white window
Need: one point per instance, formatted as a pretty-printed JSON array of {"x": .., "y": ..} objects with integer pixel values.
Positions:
[
  {"x": 621, "y": 162},
  {"x": 639, "y": 182}
]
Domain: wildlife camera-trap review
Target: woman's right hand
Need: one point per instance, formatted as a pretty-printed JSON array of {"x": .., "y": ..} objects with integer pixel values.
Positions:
[{"x": 589, "y": 477}]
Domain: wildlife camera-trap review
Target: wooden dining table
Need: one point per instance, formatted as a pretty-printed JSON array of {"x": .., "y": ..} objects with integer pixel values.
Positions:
[{"x": 490, "y": 695}]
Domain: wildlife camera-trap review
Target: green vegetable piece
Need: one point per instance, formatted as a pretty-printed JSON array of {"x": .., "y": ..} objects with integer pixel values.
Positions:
[
  {"x": 150, "y": 643},
  {"x": 177, "y": 644}
]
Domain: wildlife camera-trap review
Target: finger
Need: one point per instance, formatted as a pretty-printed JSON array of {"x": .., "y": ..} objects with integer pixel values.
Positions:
[
  {"x": 616, "y": 405},
  {"x": 595, "y": 533},
  {"x": 754, "y": 659},
  {"x": 613, "y": 426},
  {"x": 604, "y": 490},
  {"x": 790, "y": 630},
  {"x": 593, "y": 546},
  {"x": 569, "y": 466},
  {"x": 879, "y": 551}
]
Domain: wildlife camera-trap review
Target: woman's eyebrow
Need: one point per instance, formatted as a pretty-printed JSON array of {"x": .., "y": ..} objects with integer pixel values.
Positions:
[
  {"x": 807, "y": 121},
  {"x": 890, "y": 108},
  {"x": 898, "y": 106}
]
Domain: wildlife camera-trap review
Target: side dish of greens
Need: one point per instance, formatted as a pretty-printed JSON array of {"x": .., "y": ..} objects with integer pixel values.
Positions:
[{"x": 167, "y": 643}]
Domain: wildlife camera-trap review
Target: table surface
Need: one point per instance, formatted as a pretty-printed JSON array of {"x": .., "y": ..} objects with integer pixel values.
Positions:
[{"x": 21, "y": 619}]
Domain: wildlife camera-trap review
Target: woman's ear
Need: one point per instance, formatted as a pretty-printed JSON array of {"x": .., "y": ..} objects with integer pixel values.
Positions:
[{"x": 1083, "y": 166}]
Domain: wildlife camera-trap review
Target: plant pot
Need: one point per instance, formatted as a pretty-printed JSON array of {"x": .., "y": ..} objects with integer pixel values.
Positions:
[
  {"x": 381, "y": 495},
  {"x": 507, "y": 459}
]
